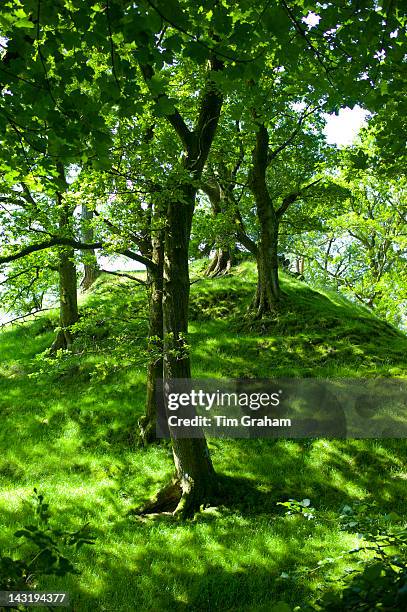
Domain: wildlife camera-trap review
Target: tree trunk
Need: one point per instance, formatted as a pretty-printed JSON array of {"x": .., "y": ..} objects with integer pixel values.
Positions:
[
  {"x": 91, "y": 269},
  {"x": 68, "y": 287},
  {"x": 220, "y": 264},
  {"x": 195, "y": 476},
  {"x": 90, "y": 273},
  {"x": 68, "y": 309},
  {"x": 193, "y": 464},
  {"x": 268, "y": 291},
  {"x": 147, "y": 423}
]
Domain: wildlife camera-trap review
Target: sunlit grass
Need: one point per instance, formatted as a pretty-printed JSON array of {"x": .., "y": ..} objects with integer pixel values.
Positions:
[{"x": 73, "y": 437}]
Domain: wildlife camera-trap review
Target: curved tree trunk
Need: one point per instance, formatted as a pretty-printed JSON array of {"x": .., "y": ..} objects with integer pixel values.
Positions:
[
  {"x": 195, "y": 476},
  {"x": 91, "y": 273},
  {"x": 268, "y": 291},
  {"x": 147, "y": 423}
]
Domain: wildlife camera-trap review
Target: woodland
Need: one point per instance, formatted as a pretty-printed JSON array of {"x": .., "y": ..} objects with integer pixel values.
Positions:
[{"x": 170, "y": 208}]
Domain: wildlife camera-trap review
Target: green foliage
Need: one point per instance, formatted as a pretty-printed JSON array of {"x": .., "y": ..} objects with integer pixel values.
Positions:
[
  {"x": 42, "y": 550},
  {"x": 382, "y": 581},
  {"x": 110, "y": 336},
  {"x": 361, "y": 249},
  {"x": 382, "y": 585},
  {"x": 302, "y": 507},
  {"x": 103, "y": 104}
]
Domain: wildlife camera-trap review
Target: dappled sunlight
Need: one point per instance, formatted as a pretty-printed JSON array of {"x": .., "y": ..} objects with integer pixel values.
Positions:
[{"x": 73, "y": 437}]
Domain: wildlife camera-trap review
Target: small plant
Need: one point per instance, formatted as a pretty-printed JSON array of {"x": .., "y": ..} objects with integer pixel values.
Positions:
[
  {"x": 302, "y": 507},
  {"x": 382, "y": 583},
  {"x": 45, "y": 551}
]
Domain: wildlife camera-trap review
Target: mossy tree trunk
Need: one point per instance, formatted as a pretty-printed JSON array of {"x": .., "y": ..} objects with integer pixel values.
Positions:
[
  {"x": 91, "y": 270},
  {"x": 221, "y": 262},
  {"x": 194, "y": 469},
  {"x": 68, "y": 290},
  {"x": 195, "y": 476},
  {"x": 268, "y": 292},
  {"x": 68, "y": 286},
  {"x": 147, "y": 423}
]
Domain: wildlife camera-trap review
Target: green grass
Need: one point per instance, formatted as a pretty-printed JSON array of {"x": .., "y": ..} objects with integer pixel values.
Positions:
[{"x": 72, "y": 435}]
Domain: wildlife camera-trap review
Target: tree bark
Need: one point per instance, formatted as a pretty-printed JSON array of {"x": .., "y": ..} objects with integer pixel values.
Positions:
[
  {"x": 147, "y": 423},
  {"x": 223, "y": 258},
  {"x": 195, "y": 476},
  {"x": 68, "y": 309},
  {"x": 220, "y": 264},
  {"x": 299, "y": 265},
  {"x": 193, "y": 464},
  {"x": 91, "y": 270},
  {"x": 68, "y": 287},
  {"x": 268, "y": 291}
]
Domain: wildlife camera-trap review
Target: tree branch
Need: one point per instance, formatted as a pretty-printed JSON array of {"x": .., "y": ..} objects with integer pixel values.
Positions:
[
  {"x": 260, "y": 163},
  {"x": 207, "y": 121},
  {"x": 77, "y": 245},
  {"x": 174, "y": 118},
  {"x": 289, "y": 199},
  {"x": 304, "y": 35},
  {"x": 25, "y": 316},
  {"x": 123, "y": 274},
  {"x": 273, "y": 154}
]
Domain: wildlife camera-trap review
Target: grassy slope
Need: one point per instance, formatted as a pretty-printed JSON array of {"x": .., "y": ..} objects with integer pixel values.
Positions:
[{"x": 73, "y": 438}]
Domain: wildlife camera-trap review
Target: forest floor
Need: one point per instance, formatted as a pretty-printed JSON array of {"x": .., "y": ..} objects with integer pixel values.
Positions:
[{"x": 68, "y": 428}]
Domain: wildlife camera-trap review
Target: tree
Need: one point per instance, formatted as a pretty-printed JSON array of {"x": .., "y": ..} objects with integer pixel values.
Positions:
[
  {"x": 362, "y": 249},
  {"x": 50, "y": 213},
  {"x": 75, "y": 70}
]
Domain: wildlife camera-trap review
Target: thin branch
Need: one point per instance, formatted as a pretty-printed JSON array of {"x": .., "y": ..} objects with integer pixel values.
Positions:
[
  {"x": 240, "y": 158},
  {"x": 174, "y": 118},
  {"x": 21, "y": 273},
  {"x": 115, "y": 230},
  {"x": 289, "y": 199},
  {"x": 123, "y": 274},
  {"x": 41, "y": 55},
  {"x": 25, "y": 316},
  {"x": 307, "y": 113},
  {"x": 304, "y": 35},
  {"x": 195, "y": 38}
]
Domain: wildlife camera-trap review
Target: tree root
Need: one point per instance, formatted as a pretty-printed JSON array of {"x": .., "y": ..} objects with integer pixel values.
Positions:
[
  {"x": 220, "y": 264},
  {"x": 166, "y": 500},
  {"x": 63, "y": 341},
  {"x": 178, "y": 499}
]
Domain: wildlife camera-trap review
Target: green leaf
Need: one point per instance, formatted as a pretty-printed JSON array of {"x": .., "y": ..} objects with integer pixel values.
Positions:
[
  {"x": 24, "y": 23},
  {"x": 281, "y": 606},
  {"x": 164, "y": 107},
  {"x": 173, "y": 12},
  {"x": 196, "y": 51}
]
